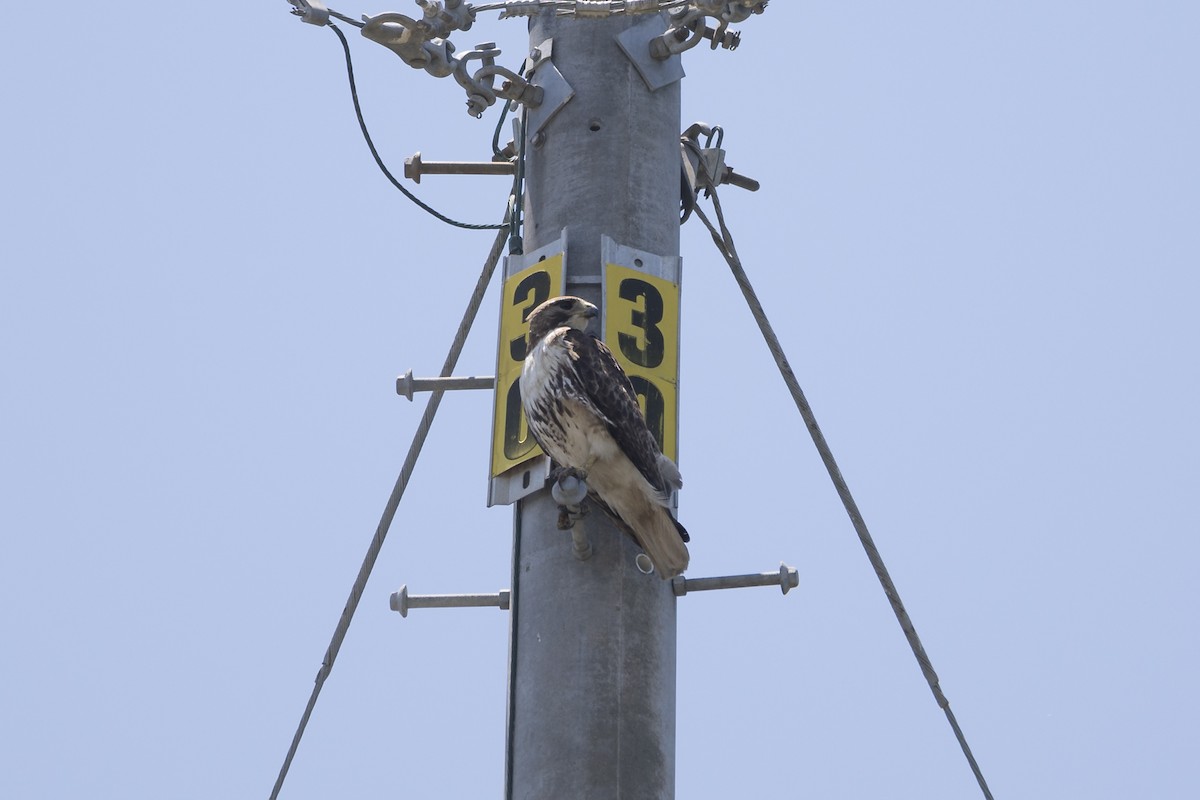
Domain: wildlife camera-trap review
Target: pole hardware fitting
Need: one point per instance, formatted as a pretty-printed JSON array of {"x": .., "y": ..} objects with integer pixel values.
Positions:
[
  {"x": 421, "y": 44},
  {"x": 414, "y": 167},
  {"x": 313, "y": 12},
  {"x": 406, "y": 384},
  {"x": 569, "y": 491},
  {"x": 443, "y": 18},
  {"x": 688, "y": 26},
  {"x": 520, "y": 8},
  {"x": 481, "y": 91},
  {"x": 317, "y": 13},
  {"x": 591, "y": 9},
  {"x": 704, "y": 165},
  {"x": 535, "y": 57},
  {"x": 582, "y": 9},
  {"x": 402, "y": 601},
  {"x": 785, "y": 578}
]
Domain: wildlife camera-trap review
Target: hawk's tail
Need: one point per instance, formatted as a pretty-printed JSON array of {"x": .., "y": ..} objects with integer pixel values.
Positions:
[
  {"x": 643, "y": 511},
  {"x": 662, "y": 537}
]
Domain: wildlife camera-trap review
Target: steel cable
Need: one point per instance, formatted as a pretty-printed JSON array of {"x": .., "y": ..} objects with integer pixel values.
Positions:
[
  {"x": 379, "y": 161},
  {"x": 389, "y": 511},
  {"x": 724, "y": 242}
]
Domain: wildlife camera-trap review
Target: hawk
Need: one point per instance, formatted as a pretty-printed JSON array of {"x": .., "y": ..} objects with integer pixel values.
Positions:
[{"x": 583, "y": 411}]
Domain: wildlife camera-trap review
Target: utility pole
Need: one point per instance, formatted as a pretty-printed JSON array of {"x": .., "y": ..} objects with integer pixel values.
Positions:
[
  {"x": 591, "y": 706},
  {"x": 592, "y": 682}
]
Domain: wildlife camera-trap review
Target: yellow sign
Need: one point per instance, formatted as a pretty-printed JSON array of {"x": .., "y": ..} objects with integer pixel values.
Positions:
[
  {"x": 641, "y": 327},
  {"x": 512, "y": 444}
]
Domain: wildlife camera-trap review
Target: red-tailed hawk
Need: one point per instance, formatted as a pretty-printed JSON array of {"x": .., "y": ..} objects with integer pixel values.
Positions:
[{"x": 584, "y": 413}]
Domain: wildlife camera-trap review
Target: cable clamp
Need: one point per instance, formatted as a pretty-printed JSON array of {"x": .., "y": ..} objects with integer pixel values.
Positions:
[
  {"x": 313, "y": 12},
  {"x": 704, "y": 166}
]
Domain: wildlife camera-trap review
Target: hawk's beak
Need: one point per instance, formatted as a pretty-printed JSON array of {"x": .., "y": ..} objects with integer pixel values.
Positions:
[{"x": 591, "y": 311}]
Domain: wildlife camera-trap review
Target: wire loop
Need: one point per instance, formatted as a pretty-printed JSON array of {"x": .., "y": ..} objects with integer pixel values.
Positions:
[{"x": 379, "y": 161}]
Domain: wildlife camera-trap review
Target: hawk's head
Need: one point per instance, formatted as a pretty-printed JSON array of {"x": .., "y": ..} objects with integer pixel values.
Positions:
[{"x": 557, "y": 312}]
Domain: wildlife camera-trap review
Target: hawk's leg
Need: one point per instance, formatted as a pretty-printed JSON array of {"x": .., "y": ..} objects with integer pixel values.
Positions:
[
  {"x": 559, "y": 474},
  {"x": 569, "y": 492}
]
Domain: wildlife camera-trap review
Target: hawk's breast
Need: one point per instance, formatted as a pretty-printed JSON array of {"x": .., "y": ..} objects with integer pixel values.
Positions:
[{"x": 556, "y": 407}]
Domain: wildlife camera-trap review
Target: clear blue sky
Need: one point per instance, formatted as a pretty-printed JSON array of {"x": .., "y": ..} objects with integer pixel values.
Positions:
[{"x": 978, "y": 237}]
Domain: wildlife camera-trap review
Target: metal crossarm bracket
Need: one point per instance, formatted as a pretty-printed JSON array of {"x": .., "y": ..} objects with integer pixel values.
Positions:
[
  {"x": 785, "y": 578},
  {"x": 402, "y": 601},
  {"x": 406, "y": 384}
]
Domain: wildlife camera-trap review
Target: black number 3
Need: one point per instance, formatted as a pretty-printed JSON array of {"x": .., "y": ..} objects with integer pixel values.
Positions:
[
  {"x": 537, "y": 284},
  {"x": 631, "y": 289}
]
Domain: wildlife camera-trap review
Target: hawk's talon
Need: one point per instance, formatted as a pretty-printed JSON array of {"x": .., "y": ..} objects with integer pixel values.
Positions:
[{"x": 560, "y": 474}]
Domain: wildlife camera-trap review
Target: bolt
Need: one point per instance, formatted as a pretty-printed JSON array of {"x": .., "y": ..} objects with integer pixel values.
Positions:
[
  {"x": 402, "y": 601},
  {"x": 415, "y": 167},
  {"x": 786, "y": 578},
  {"x": 580, "y": 545},
  {"x": 406, "y": 384},
  {"x": 412, "y": 171},
  {"x": 399, "y": 601},
  {"x": 739, "y": 180},
  {"x": 789, "y": 578}
]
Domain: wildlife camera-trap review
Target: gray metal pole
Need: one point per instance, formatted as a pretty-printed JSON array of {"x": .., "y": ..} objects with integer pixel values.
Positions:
[{"x": 592, "y": 662}]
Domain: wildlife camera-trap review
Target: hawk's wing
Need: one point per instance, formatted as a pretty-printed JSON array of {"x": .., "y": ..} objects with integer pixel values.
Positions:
[{"x": 608, "y": 389}]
